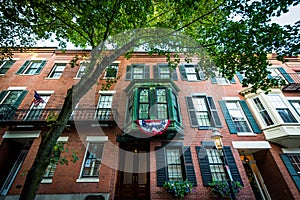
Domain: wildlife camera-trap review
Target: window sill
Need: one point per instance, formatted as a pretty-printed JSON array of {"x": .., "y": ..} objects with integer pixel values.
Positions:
[
  {"x": 47, "y": 180},
  {"x": 87, "y": 180},
  {"x": 246, "y": 134},
  {"x": 52, "y": 78}
]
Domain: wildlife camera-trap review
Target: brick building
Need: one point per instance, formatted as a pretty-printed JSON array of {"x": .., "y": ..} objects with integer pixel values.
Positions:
[{"x": 154, "y": 124}]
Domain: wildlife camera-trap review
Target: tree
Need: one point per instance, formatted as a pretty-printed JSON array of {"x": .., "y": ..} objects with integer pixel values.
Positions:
[{"x": 232, "y": 45}]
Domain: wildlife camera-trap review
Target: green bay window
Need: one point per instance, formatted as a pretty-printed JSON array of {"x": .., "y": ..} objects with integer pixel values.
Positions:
[{"x": 150, "y": 102}]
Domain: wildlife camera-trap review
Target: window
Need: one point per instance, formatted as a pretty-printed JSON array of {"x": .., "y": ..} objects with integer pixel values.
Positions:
[
  {"x": 81, "y": 70},
  {"x": 104, "y": 106},
  {"x": 57, "y": 70},
  {"x": 92, "y": 160},
  {"x": 111, "y": 71},
  {"x": 222, "y": 80},
  {"x": 191, "y": 72},
  {"x": 157, "y": 104},
  {"x": 279, "y": 73},
  {"x": 281, "y": 108},
  {"x": 5, "y": 65},
  {"x": 174, "y": 163},
  {"x": 202, "y": 112},
  {"x": 31, "y": 67},
  {"x": 292, "y": 163},
  {"x": 35, "y": 112},
  {"x": 211, "y": 165},
  {"x": 49, "y": 173},
  {"x": 296, "y": 105},
  {"x": 137, "y": 71},
  {"x": 263, "y": 112},
  {"x": 163, "y": 71},
  {"x": 9, "y": 102},
  {"x": 238, "y": 117},
  {"x": 215, "y": 165}
]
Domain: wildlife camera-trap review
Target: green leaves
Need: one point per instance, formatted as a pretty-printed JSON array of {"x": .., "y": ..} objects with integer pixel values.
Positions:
[{"x": 178, "y": 188}]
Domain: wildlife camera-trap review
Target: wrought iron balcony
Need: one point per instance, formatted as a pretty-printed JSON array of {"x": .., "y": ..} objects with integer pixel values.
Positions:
[
  {"x": 293, "y": 82},
  {"x": 9, "y": 115}
]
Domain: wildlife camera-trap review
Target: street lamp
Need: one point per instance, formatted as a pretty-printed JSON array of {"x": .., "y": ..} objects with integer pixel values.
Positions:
[{"x": 216, "y": 136}]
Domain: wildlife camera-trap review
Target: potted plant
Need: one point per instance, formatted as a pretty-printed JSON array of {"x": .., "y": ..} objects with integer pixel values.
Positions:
[
  {"x": 221, "y": 190},
  {"x": 178, "y": 188}
]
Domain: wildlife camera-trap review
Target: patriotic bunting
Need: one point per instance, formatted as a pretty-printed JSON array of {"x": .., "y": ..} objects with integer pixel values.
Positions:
[{"x": 153, "y": 127}]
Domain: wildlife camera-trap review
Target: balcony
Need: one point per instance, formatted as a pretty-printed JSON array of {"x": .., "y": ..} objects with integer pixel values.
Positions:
[
  {"x": 12, "y": 116},
  {"x": 287, "y": 136},
  {"x": 293, "y": 82}
]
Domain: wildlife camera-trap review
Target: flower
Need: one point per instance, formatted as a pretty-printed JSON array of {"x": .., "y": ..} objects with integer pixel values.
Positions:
[
  {"x": 178, "y": 188},
  {"x": 222, "y": 189}
]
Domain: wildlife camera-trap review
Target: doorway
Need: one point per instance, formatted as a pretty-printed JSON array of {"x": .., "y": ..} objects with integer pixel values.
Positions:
[{"x": 133, "y": 180}]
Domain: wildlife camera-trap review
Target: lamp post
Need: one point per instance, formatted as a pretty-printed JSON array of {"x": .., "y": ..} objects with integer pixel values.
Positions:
[{"x": 216, "y": 136}]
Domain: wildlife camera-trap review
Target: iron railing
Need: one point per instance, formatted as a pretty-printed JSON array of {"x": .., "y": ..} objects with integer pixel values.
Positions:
[{"x": 9, "y": 113}]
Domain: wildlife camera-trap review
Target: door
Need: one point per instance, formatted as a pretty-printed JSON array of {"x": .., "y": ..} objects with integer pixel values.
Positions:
[{"x": 133, "y": 180}]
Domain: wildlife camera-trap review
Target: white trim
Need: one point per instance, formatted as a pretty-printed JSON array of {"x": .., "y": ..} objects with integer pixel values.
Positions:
[
  {"x": 96, "y": 138},
  {"x": 290, "y": 150},
  {"x": 17, "y": 88},
  {"x": 87, "y": 180},
  {"x": 293, "y": 98},
  {"x": 198, "y": 94},
  {"x": 246, "y": 133},
  {"x": 7, "y": 59},
  {"x": 63, "y": 139},
  {"x": 62, "y": 61},
  {"x": 231, "y": 98},
  {"x": 107, "y": 92},
  {"x": 32, "y": 59},
  {"x": 21, "y": 134},
  {"x": 251, "y": 145},
  {"x": 47, "y": 180},
  {"x": 45, "y": 91},
  {"x": 117, "y": 61}
]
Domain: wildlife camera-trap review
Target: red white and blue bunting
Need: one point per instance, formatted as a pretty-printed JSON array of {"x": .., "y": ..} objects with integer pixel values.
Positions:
[{"x": 153, "y": 127}]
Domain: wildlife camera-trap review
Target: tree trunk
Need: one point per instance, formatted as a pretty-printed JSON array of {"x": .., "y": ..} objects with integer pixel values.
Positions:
[{"x": 42, "y": 159}]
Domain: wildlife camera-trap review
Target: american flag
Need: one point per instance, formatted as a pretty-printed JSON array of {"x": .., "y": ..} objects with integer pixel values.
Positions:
[{"x": 37, "y": 99}]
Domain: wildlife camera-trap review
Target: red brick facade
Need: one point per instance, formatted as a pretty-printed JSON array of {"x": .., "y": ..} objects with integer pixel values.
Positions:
[{"x": 271, "y": 167}]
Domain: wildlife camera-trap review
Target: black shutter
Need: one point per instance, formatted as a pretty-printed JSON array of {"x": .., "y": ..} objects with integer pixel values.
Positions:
[
  {"x": 26, "y": 63},
  {"x": 240, "y": 76},
  {"x": 250, "y": 117},
  {"x": 232, "y": 165},
  {"x": 128, "y": 73},
  {"x": 214, "y": 113},
  {"x": 190, "y": 172},
  {"x": 293, "y": 173},
  {"x": 192, "y": 113},
  {"x": 161, "y": 174},
  {"x": 174, "y": 74},
  {"x": 156, "y": 72},
  {"x": 204, "y": 165},
  {"x": 146, "y": 72},
  {"x": 3, "y": 94},
  {"x": 229, "y": 122},
  {"x": 182, "y": 72},
  {"x": 20, "y": 99},
  {"x": 43, "y": 63}
]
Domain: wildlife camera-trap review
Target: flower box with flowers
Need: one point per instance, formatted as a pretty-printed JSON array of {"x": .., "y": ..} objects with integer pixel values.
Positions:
[
  {"x": 178, "y": 188},
  {"x": 221, "y": 190}
]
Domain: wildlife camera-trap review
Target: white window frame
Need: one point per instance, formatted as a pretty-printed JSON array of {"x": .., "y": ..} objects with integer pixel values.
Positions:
[
  {"x": 28, "y": 67},
  {"x": 205, "y": 109},
  {"x": 258, "y": 111},
  {"x": 54, "y": 70},
  {"x": 41, "y": 105},
  {"x": 284, "y": 105},
  {"x": 239, "y": 108},
  {"x": 4, "y": 63},
  {"x": 49, "y": 179},
  {"x": 91, "y": 139},
  {"x": 81, "y": 70},
  {"x": 105, "y": 93}
]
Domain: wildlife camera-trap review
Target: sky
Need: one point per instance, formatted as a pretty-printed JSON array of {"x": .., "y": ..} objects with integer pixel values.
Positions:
[{"x": 287, "y": 18}]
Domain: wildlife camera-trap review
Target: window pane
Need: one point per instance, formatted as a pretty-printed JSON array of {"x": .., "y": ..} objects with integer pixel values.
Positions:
[
  {"x": 263, "y": 112},
  {"x": 174, "y": 164},
  {"x": 93, "y": 159},
  {"x": 286, "y": 115},
  {"x": 12, "y": 97},
  {"x": 216, "y": 165}
]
